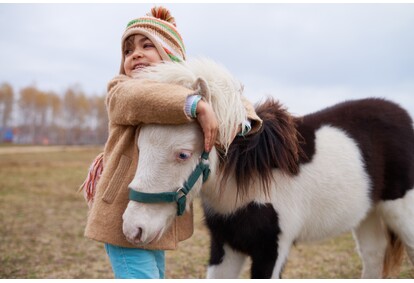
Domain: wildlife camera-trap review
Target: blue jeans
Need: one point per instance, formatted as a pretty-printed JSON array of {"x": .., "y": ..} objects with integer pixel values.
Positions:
[{"x": 134, "y": 263}]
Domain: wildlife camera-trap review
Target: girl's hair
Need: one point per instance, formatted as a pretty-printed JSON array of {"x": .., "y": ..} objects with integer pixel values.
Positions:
[{"x": 128, "y": 43}]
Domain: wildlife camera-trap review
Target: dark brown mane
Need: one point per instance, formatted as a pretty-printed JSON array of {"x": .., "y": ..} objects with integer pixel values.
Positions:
[{"x": 276, "y": 145}]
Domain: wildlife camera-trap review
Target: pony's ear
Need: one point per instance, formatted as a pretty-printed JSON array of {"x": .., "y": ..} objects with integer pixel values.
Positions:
[{"x": 201, "y": 85}]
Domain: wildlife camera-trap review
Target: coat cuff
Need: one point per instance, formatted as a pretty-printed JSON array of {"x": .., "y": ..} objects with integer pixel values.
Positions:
[
  {"x": 246, "y": 127},
  {"x": 191, "y": 105}
]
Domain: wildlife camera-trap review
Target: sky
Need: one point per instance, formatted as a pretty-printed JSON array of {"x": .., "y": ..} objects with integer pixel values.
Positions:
[{"x": 309, "y": 56}]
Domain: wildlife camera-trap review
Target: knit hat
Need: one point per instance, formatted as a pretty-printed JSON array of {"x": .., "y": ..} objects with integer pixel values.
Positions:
[{"x": 159, "y": 27}]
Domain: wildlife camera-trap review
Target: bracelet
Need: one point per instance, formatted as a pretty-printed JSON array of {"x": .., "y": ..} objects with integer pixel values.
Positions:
[{"x": 194, "y": 106}]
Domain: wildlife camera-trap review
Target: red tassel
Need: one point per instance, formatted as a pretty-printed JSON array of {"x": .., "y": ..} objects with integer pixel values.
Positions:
[{"x": 94, "y": 174}]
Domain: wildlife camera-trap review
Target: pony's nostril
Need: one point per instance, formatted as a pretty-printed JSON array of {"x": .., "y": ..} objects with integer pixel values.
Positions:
[{"x": 138, "y": 235}]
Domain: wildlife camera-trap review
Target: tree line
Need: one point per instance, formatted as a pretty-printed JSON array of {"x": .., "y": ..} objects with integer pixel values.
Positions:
[{"x": 33, "y": 116}]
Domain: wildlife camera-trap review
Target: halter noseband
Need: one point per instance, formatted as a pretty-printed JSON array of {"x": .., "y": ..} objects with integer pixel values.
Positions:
[{"x": 180, "y": 196}]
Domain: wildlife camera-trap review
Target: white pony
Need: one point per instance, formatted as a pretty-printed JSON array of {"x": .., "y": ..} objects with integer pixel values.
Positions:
[{"x": 349, "y": 167}]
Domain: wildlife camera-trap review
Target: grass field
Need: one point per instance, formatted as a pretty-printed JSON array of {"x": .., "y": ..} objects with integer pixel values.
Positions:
[{"x": 42, "y": 217}]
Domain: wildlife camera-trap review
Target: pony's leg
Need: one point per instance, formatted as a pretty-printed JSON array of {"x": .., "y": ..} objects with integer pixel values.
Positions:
[
  {"x": 263, "y": 263},
  {"x": 283, "y": 250},
  {"x": 399, "y": 216},
  {"x": 229, "y": 264},
  {"x": 371, "y": 240}
]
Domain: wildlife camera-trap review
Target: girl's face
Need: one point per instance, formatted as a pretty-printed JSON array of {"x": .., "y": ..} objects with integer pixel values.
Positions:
[{"x": 139, "y": 53}]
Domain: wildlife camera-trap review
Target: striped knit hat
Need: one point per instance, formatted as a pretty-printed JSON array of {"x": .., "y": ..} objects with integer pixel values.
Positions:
[{"x": 159, "y": 27}]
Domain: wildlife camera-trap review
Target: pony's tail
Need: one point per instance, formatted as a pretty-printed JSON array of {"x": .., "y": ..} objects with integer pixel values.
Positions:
[{"x": 394, "y": 255}]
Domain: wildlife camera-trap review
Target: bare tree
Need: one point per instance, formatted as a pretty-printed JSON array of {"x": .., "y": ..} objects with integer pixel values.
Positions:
[
  {"x": 27, "y": 104},
  {"x": 6, "y": 104}
]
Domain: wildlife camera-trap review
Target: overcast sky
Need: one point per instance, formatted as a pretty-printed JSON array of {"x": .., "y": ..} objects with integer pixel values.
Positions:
[{"x": 309, "y": 56}]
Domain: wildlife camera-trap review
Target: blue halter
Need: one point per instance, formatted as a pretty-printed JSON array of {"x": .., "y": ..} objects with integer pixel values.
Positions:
[{"x": 180, "y": 196}]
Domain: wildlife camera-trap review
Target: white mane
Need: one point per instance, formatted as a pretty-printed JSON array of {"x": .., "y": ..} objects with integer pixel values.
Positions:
[{"x": 224, "y": 93}]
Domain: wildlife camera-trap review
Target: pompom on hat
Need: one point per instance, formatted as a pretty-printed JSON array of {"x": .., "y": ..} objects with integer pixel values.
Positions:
[{"x": 159, "y": 27}]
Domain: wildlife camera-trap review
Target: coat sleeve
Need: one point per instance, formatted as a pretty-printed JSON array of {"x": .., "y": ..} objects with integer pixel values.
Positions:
[
  {"x": 255, "y": 120},
  {"x": 133, "y": 101}
]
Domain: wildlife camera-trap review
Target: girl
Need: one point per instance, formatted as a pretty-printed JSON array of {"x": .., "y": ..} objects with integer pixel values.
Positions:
[{"x": 130, "y": 102}]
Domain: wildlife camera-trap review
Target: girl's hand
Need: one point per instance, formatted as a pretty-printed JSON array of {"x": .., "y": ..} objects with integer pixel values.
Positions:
[{"x": 208, "y": 122}]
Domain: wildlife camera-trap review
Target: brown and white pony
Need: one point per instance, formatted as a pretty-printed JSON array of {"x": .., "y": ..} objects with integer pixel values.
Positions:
[{"x": 349, "y": 167}]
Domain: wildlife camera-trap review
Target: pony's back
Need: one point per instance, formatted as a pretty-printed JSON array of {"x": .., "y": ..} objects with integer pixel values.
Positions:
[{"x": 384, "y": 134}]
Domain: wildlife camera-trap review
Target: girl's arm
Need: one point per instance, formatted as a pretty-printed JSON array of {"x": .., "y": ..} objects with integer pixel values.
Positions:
[{"x": 131, "y": 102}]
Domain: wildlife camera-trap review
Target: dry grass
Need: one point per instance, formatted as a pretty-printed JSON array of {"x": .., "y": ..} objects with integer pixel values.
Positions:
[{"x": 42, "y": 217}]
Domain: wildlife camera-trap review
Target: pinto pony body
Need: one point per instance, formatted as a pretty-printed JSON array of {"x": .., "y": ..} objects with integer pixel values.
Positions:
[
  {"x": 346, "y": 168},
  {"x": 354, "y": 171}
]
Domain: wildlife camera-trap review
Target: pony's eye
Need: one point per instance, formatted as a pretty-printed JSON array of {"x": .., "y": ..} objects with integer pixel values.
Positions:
[{"x": 183, "y": 155}]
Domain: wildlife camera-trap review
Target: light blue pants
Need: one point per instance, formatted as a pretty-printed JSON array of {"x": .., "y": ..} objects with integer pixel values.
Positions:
[{"x": 134, "y": 263}]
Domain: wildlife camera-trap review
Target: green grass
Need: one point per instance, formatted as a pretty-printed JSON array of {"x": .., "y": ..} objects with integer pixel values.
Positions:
[{"x": 42, "y": 217}]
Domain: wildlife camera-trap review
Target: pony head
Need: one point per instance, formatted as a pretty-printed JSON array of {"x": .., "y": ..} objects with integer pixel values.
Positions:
[{"x": 169, "y": 153}]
